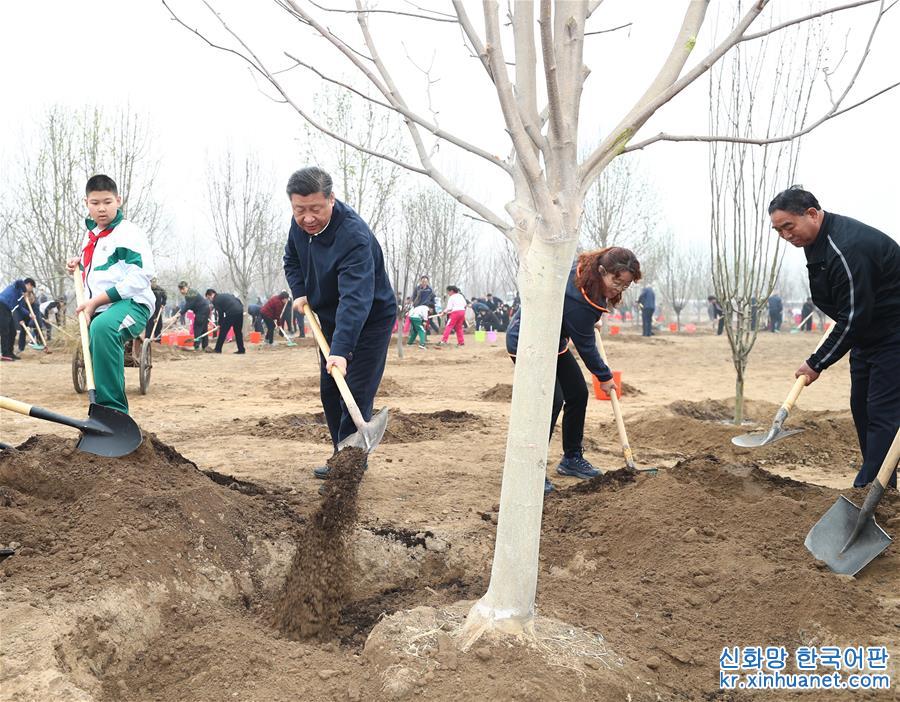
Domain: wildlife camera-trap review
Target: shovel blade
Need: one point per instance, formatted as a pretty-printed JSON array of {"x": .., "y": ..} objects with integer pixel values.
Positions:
[
  {"x": 369, "y": 435},
  {"x": 828, "y": 536},
  {"x": 109, "y": 432},
  {"x": 760, "y": 439}
]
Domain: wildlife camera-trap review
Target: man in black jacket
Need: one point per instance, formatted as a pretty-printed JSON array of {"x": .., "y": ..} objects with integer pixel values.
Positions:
[
  {"x": 230, "y": 312},
  {"x": 200, "y": 306},
  {"x": 333, "y": 262},
  {"x": 425, "y": 296},
  {"x": 854, "y": 277}
]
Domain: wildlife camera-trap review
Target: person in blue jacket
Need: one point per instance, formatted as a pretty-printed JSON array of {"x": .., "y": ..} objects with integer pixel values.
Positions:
[
  {"x": 596, "y": 282},
  {"x": 333, "y": 262},
  {"x": 12, "y": 297}
]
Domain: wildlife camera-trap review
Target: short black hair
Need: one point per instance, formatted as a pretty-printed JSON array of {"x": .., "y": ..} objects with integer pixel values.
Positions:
[
  {"x": 183, "y": 284},
  {"x": 100, "y": 184},
  {"x": 452, "y": 288},
  {"x": 308, "y": 181},
  {"x": 29, "y": 281},
  {"x": 283, "y": 295},
  {"x": 210, "y": 291},
  {"x": 795, "y": 200}
]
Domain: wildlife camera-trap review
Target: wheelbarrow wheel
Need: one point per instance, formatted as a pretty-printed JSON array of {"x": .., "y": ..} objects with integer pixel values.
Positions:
[
  {"x": 146, "y": 365},
  {"x": 78, "y": 377}
]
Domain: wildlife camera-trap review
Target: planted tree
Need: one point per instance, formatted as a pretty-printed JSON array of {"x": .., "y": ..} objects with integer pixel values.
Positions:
[{"x": 536, "y": 45}]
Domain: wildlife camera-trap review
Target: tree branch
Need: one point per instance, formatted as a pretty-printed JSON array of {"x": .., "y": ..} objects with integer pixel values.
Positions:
[
  {"x": 550, "y": 70},
  {"x": 814, "y": 15},
  {"x": 758, "y": 142},
  {"x": 401, "y": 109},
  {"x": 607, "y": 31},
  {"x": 384, "y": 12}
]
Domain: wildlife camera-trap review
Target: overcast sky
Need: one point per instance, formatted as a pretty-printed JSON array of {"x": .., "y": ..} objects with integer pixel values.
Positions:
[{"x": 201, "y": 101}]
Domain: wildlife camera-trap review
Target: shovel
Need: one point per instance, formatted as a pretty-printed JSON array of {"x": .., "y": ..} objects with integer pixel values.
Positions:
[
  {"x": 620, "y": 423},
  {"x": 777, "y": 431},
  {"x": 31, "y": 340},
  {"x": 799, "y": 327},
  {"x": 37, "y": 326},
  {"x": 848, "y": 538},
  {"x": 368, "y": 434}
]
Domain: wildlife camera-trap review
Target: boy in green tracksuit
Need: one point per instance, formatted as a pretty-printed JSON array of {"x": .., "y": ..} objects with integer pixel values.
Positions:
[{"x": 116, "y": 265}]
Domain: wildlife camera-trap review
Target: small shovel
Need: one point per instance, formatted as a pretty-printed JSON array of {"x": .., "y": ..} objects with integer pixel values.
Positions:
[
  {"x": 32, "y": 342},
  {"x": 848, "y": 538},
  {"x": 777, "y": 431},
  {"x": 368, "y": 434},
  {"x": 620, "y": 423}
]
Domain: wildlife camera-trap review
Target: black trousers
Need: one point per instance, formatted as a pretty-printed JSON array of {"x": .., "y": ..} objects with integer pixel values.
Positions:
[
  {"x": 364, "y": 373},
  {"x": 270, "y": 330},
  {"x": 200, "y": 327},
  {"x": 875, "y": 403},
  {"x": 570, "y": 394},
  {"x": 227, "y": 325},
  {"x": 647, "y": 320},
  {"x": 7, "y": 330}
]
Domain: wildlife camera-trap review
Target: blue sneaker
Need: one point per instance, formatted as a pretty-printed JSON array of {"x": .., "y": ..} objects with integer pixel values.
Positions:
[
  {"x": 548, "y": 486},
  {"x": 577, "y": 466}
]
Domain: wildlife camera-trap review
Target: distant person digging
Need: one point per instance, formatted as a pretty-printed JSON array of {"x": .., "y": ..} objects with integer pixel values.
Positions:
[
  {"x": 854, "y": 278},
  {"x": 230, "y": 313},
  {"x": 334, "y": 264}
]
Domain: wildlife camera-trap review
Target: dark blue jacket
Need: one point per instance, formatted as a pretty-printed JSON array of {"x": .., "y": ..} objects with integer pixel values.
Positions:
[
  {"x": 776, "y": 306},
  {"x": 12, "y": 293},
  {"x": 578, "y": 319},
  {"x": 341, "y": 272},
  {"x": 854, "y": 278},
  {"x": 424, "y": 296},
  {"x": 647, "y": 298}
]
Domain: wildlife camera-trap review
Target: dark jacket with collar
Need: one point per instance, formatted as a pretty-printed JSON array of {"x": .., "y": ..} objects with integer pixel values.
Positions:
[
  {"x": 424, "y": 296},
  {"x": 854, "y": 278},
  {"x": 228, "y": 306},
  {"x": 578, "y": 319},
  {"x": 12, "y": 293},
  {"x": 341, "y": 272}
]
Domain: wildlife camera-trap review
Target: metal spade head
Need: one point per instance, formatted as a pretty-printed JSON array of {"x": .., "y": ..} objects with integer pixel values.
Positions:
[
  {"x": 369, "y": 435},
  {"x": 776, "y": 433},
  {"x": 830, "y": 534},
  {"x": 108, "y": 432}
]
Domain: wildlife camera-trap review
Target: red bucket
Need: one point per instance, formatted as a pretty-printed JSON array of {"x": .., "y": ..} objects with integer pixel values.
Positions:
[{"x": 598, "y": 391}]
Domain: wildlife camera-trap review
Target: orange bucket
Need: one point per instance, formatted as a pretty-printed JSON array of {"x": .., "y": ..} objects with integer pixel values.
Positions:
[
  {"x": 673, "y": 327},
  {"x": 614, "y": 330},
  {"x": 598, "y": 391},
  {"x": 255, "y": 337},
  {"x": 185, "y": 340}
]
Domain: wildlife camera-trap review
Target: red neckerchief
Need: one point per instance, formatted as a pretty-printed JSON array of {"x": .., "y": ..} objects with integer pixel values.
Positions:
[{"x": 87, "y": 253}]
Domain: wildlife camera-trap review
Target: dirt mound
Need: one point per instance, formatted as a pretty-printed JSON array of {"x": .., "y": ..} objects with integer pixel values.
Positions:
[
  {"x": 674, "y": 567},
  {"x": 391, "y": 388},
  {"x": 630, "y": 390},
  {"x": 501, "y": 392},
  {"x": 318, "y": 583},
  {"x": 418, "y": 426},
  {"x": 705, "y": 409},
  {"x": 309, "y": 426},
  {"x": 828, "y": 441}
]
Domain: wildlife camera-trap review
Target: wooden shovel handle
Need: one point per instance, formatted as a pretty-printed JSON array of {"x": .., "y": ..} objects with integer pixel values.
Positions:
[
  {"x": 617, "y": 411},
  {"x": 83, "y": 328},
  {"x": 338, "y": 376},
  {"x": 801, "y": 382},
  {"x": 8, "y": 403},
  {"x": 36, "y": 325},
  {"x": 28, "y": 332},
  {"x": 890, "y": 462}
]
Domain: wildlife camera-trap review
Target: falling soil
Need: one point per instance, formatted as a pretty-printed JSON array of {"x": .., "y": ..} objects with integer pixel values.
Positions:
[
  {"x": 319, "y": 581},
  {"x": 501, "y": 392}
]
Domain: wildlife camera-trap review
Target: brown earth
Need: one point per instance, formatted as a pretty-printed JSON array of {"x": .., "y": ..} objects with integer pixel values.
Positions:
[{"x": 157, "y": 576}]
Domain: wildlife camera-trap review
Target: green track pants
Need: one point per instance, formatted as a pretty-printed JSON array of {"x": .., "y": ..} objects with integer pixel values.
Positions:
[{"x": 123, "y": 320}]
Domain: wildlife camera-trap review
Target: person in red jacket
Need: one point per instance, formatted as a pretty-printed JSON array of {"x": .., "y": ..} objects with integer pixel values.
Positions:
[{"x": 272, "y": 313}]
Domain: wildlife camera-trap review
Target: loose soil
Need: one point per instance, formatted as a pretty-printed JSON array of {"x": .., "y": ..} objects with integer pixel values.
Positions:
[{"x": 158, "y": 576}]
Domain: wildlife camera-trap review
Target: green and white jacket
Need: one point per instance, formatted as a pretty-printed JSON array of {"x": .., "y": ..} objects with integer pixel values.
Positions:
[{"x": 122, "y": 263}]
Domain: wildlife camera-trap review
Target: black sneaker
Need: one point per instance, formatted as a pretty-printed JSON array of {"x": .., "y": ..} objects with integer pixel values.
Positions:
[
  {"x": 548, "y": 486},
  {"x": 577, "y": 466}
]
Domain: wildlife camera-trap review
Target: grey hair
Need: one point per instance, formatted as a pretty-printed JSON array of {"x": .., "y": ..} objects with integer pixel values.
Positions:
[{"x": 308, "y": 181}]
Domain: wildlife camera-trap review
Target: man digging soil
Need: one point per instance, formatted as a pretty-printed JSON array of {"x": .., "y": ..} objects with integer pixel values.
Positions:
[{"x": 334, "y": 264}]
